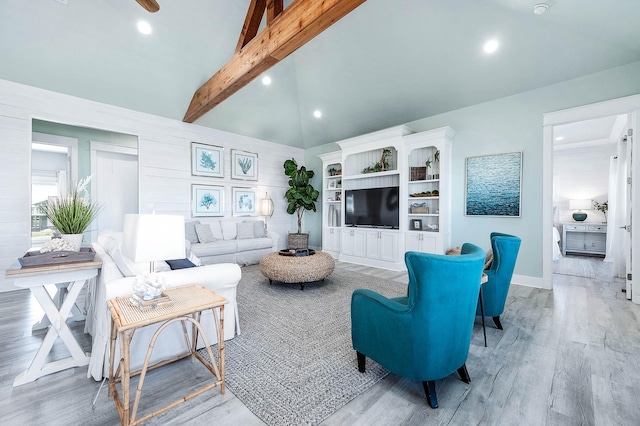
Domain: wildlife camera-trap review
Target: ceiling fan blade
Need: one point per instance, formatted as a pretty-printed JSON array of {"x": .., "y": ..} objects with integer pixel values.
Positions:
[{"x": 150, "y": 5}]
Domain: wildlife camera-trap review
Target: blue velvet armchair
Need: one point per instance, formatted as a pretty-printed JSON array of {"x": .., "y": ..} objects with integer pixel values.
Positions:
[
  {"x": 494, "y": 292},
  {"x": 424, "y": 336}
]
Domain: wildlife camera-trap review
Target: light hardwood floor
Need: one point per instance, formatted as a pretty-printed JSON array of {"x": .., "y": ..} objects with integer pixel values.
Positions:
[{"x": 566, "y": 357}]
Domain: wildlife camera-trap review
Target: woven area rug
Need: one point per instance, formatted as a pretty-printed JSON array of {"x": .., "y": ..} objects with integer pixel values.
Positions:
[
  {"x": 294, "y": 364},
  {"x": 573, "y": 266}
]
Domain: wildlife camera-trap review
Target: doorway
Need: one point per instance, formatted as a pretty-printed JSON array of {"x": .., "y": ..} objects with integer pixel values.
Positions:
[
  {"x": 117, "y": 161},
  {"x": 113, "y": 167},
  {"x": 624, "y": 106}
]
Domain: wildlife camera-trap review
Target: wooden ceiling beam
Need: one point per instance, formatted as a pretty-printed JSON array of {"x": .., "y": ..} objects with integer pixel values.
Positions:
[
  {"x": 274, "y": 8},
  {"x": 251, "y": 22},
  {"x": 296, "y": 25},
  {"x": 149, "y": 5}
]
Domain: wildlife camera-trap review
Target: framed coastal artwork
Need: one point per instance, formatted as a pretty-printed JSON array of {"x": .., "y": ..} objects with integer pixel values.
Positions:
[
  {"x": 207, "y": 200},
  {"x": 244, "y": 202},
  {"x": 493, "y": 185},
  {"x": 244, "y": 165},
  {"x": 206, "y": 160}
]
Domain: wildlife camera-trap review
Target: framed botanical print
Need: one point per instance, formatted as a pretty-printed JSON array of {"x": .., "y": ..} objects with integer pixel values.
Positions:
[
  {"x": 244, "y": 165},
  {"x": 207, "y": 200},
  {"x": 206, "y": 160},
  {"x": 493, "y": 185},
  {"x": 244, "y": 202}
]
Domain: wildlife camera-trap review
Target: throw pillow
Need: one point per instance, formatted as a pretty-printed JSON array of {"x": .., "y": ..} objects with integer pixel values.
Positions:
[
  {"x": 245, "y": 231},
  {"x": 190, "y": 231},
  {"x": 204, "y": 233},
  {"x": 488, "y": 259},
  {"x": 229, "y": 229},
  {"x": 258, "y": 228},
  {"x": 217, "y": 231},
  {"x": 180, "y": 263},
  {"x": 195, "y": 259},
  {"x": 161, "y": 266}
]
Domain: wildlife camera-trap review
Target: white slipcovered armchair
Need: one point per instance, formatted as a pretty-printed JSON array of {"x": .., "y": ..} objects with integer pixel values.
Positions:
[{"x": 116, "y": 279}]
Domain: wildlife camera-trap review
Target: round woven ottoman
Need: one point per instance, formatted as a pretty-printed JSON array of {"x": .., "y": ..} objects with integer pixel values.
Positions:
[{"x": 297, "y": 269}]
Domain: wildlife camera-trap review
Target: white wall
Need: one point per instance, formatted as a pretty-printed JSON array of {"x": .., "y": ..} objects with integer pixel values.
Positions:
[
  {"x": 164, "y": 157},
  {"x": 581, "y": 174}
]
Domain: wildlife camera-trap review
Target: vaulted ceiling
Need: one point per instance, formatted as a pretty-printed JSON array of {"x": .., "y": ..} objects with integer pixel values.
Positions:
[{"x": 386, "y": 63}]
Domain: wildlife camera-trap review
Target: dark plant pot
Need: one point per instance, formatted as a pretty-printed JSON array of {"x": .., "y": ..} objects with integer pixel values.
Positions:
[
  {"x": 579, "y": 217},
  {"x": 298, "y": 241}
]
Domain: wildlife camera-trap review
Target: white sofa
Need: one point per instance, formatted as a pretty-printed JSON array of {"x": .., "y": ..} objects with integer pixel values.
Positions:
[
  {"x": 240, "y": 241},
  {"x": 116, "y": 279}
]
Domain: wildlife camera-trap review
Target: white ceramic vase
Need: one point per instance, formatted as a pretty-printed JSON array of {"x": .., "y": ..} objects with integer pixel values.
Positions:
[{"x": 74, "y": 239}]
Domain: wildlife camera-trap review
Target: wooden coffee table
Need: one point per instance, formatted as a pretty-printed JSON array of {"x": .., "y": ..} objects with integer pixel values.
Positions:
[{"x": 187, "y": 305}]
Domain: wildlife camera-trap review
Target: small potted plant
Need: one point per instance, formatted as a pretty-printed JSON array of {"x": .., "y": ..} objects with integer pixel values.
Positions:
[
  {"x": 602, "y": 207},
  {"x": 72, "y": 213}
]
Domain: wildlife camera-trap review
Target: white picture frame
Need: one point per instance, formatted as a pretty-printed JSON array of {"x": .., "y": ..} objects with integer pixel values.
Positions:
[
  {"x": 244, "y": 165},
  {"x": 207, "y": 200},
  {"x": 207, "y": 160},
  {"x": 244, "y": 202}
]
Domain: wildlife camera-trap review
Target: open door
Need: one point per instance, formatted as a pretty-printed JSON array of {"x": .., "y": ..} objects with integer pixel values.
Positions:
[{"x": 628, "y": 241}]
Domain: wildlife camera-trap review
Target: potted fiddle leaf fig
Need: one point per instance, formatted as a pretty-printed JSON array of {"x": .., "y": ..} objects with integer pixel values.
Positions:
[{"x": 301, "y": 196}]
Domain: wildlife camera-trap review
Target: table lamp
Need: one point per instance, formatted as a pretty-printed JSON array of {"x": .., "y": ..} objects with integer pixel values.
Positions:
[
  {"x": 578, "y": 205},
  {"x": 266, "y": 209},
  {"x": 152, "y": 237}
]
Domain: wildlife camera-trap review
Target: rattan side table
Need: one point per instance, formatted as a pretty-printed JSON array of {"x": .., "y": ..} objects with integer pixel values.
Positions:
[{"x": 187, "y": 305}]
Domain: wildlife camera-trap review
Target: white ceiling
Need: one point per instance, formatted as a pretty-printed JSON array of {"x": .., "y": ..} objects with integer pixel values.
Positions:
[{"x": 384, "y": 64}]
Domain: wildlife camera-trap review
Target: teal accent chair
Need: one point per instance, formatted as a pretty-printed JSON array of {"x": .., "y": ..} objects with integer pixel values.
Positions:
[
  {"x": 424, "y": 336},
  {"x": 494, "y": 292}
]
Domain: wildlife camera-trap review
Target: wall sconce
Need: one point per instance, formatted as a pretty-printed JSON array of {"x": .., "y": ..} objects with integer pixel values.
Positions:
[
  {"x": 266, "y": 209},
  {"x": 578, "y": 205}
]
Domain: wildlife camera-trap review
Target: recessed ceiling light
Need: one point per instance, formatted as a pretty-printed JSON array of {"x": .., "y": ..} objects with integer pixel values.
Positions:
[
  {"x": 491, "y": 46},
  {"x": 560, "y": 138},
  {"x": 266, "y": 80},
  {"x": 317, "y": 113},
  {"x": 540, "y": 8},
  {"x": 144, "y": 27}
]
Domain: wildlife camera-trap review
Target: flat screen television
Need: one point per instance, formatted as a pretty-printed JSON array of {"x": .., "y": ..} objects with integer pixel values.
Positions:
[{"x": 373, "y": 207}]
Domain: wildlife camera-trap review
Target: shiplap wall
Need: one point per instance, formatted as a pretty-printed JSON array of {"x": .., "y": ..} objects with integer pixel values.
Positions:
[{"x": 164, "y": 161}]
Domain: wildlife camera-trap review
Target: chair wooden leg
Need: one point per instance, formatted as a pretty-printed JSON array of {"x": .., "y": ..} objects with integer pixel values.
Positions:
[
  {"x": 496, "y": 320},
  {"x": 361, "y": 361},
  {"x": 430, "y": 390},
  {"x": 464, "y": 374}
]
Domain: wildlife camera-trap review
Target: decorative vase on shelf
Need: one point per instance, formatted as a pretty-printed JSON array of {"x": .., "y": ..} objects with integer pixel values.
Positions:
[{"x": 74, "y": 239}]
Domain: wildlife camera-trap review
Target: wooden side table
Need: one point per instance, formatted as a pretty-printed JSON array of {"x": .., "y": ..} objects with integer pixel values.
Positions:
[
  {"x": 187, "y": 305},
  {"x": 35, "y": 278}
]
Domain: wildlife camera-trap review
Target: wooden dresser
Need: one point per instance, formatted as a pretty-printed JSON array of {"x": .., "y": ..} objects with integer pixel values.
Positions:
[{"x": 584, "y": 238}]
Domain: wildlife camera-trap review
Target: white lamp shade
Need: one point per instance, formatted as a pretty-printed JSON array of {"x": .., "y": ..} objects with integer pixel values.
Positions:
[
  {"x": 151, "y": 237},
  {"x": 266, "y": 206},
  {"x": 579, "y": 204}
]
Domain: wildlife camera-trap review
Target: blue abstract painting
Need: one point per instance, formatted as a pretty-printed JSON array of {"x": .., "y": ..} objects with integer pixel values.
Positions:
[{"x": 493, "y": 185}]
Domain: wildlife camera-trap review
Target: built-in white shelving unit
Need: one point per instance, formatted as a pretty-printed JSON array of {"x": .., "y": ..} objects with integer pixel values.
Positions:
[
  {"x": 424, "y": 222},
  {"x": 332, "y": 213}
]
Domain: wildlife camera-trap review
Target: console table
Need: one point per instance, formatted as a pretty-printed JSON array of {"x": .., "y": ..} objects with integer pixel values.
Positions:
[
  {"x": 35, "y": 278},
  {"x": 584, "y": 238}
]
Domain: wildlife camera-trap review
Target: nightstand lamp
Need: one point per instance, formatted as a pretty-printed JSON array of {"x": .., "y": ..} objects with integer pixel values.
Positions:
[{"x": 579, "y": 205}]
